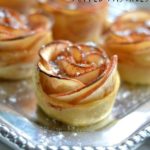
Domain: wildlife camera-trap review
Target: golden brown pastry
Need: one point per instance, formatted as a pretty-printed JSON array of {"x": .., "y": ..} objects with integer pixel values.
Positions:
[
  {"x": 129, "y": 38},
  {"x": 76, "y": 21},
  {"x": 20, "y": 5},
  {"x": 76, "y": 83},
  {"x": 20, "y": 39}
]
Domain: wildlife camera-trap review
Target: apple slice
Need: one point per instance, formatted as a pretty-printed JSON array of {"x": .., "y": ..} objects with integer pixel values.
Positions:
[
  {"x": 52, "y": 50},
  {"x": 76, "y": 53},
  {"x": 54, "y": 85},
  {"x": 78, "y": 95},
  {"x": 74, "y": 69},
  {"x": 91, "y": 76},
  {"x": 95, "y": 58}
]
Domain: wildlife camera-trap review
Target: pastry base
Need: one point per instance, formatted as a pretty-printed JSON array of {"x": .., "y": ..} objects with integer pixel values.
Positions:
[
  {"x": 16, "y": 72},
  {"x": 82, "y": 114},
  {"x": 134, "y": 75}
]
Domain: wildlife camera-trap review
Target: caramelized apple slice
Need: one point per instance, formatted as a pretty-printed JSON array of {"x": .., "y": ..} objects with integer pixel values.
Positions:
[
  {"x": 95, "y": 58},
  {"x": 76, "y": 53},
  {"x": 55, "y": 85},
  {"x": 89, "y": 77},
  {"x": 73, "y": 69},
  {"x": 52, "y": 83},
  {"x": 81, "y": 94},
  {"x": 53, "y": 50}
]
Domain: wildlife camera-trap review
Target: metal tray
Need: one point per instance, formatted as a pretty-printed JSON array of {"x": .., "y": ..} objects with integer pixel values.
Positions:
[{"x": 24, "y": 126}]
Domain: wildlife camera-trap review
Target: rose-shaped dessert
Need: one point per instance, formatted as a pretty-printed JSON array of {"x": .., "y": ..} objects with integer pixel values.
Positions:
[
  {"x": 20, "y": 39},
  {"x": 129, "y": 38},
  {"x": 76, "y": 83},
  {"x": 76, "y": 21},
  {"x": 20, "y": 5}
]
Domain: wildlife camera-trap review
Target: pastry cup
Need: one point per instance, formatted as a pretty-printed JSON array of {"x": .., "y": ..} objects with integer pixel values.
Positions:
[
  {"x": 77, "y": 99},
  {"x": 129, "y": 38},
  {"x": 20, "y": 39},
  {"x": 77, "y": 21}
]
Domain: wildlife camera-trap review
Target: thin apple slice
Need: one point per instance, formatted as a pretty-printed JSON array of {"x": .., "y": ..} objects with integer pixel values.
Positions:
[
  {"x": 55, "y": 85},
  {"x": 95, "y": 58},
  {"x": 76, "y": 53},
  {"x": 79, "y": 95},
  {"x": 90, "y": 50},
  {"x": 91, "y": 76},
  {"x": 51, "y": 51},
  {"x": 73, "y": 69}
]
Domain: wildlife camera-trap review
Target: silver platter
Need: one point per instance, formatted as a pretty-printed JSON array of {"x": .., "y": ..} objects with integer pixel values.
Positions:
[{"x": 24, "y": 126}]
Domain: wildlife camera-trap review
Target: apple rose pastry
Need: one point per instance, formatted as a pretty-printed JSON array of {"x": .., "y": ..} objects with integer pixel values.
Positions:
[
  {"x": 20, "y": 39},
  {"x": 76, "y": 83},
  {"x": 76, "y": 21},
  {"x": 129, "y": 38}
]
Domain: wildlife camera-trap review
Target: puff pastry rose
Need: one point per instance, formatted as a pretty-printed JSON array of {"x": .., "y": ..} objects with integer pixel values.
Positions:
[
  {"x": 76, "y": 21},
  {"x": 76, "y": 83},
  {"x": 20, "y": 39},
  {"x": 129, "y": 38}
]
